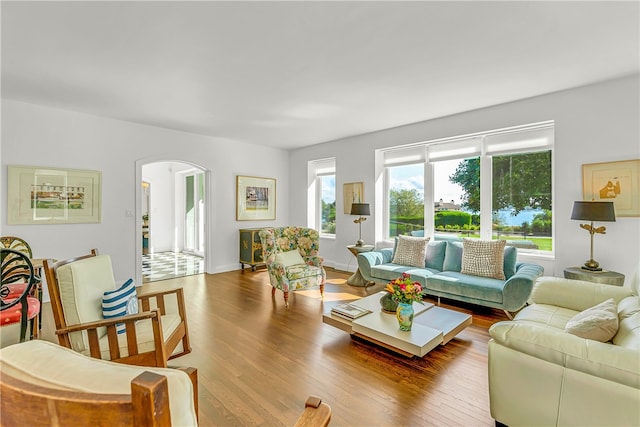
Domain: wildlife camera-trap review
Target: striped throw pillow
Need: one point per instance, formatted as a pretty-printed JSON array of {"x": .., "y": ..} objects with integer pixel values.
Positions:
[
  {"x": 121, "y": 302},
  {"x": 483, "y": 258}
]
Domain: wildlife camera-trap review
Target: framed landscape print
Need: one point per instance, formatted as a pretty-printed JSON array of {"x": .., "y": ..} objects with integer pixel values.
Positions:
[
  {"x": 44, "y": 195},
  {"x": 617, "y": 182},
  {"x": 352, "y": 192},
  {"x": 255, "y": 198}
]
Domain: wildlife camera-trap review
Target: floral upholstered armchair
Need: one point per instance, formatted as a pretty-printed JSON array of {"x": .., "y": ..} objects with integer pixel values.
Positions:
[{"x": 291, "y": 256}]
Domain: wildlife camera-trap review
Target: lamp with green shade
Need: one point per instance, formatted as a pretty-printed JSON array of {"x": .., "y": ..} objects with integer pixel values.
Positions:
[{"x": 360, "y": 209}]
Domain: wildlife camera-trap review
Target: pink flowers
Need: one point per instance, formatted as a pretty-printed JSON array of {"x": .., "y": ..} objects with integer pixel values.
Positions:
[{"x": 404, "y": 290}]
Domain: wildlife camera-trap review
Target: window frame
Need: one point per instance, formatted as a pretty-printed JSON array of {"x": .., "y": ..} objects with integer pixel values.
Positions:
[
  {"x": 514, "y": 140},
  {"x": 317, "y": 169}
]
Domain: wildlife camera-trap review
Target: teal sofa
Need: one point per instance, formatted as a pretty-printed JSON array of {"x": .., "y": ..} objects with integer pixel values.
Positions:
[{"x": 441, "y": 276}]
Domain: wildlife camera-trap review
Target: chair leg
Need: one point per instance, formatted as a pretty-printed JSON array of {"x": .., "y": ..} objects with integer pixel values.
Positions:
[
  {"x": 273, "y": 291},
  {"x": 322, "y": 291},
  {"x": 286, "y": 299}
]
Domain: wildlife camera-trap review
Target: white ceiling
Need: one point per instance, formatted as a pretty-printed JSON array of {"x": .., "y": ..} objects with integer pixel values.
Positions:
[{"x": 292, "y": 74}]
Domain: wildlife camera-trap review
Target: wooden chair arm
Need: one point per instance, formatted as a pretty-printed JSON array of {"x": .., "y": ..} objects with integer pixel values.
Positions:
[
  {"x": 316, "y": 413},
  {"x": 154, "y": 294},
  {"x": 108, "y": 322}
]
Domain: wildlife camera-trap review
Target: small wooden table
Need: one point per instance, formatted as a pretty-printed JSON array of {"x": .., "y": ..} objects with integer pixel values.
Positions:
[
  {"x": 356, "y": 278},
  {"x": 605, "y": 277},
  {"x": 432, "y": 326}
]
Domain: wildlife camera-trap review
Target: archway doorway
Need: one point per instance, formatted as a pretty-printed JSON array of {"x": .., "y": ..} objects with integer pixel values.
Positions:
[{"x": 173, "y": 211}]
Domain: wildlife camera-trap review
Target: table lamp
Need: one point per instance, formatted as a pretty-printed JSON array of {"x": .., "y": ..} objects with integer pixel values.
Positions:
[
  {"x": 593, "y": 211},
  {"x": 360, "y": 209}
]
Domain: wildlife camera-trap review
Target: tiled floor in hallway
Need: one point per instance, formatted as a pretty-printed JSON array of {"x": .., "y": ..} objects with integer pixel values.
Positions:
[{"x": 167, "y": 265}]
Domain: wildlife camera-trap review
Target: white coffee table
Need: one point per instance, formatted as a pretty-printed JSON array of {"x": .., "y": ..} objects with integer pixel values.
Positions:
[{"x": 432, "y": 326}]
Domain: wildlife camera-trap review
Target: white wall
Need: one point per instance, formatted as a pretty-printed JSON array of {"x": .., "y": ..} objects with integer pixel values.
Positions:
[
  {"x": 41, "y": 136},
  {"x": 596, "y": 123}
]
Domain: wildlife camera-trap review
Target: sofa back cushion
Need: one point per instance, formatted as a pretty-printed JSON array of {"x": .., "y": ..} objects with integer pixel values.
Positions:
[
  {"x": 435, "y": 255},
  {"x": 453, "y": 257},
  {"x": 510, "y": 258}
]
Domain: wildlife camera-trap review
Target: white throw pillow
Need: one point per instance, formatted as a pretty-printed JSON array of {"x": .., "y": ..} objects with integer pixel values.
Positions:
[
  {"x": 290, "y": 258},
  {"x": 483, "y": 258},
  {"x": 411, "y": 251},
  {"x": 598, "y": 323},
  {"x": 121, "y": 302}
]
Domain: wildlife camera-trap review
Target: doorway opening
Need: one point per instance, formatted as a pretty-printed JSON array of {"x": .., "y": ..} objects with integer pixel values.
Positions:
[{"x": 173, "y": 217}]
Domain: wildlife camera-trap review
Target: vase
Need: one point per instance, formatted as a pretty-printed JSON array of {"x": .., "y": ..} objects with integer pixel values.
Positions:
[
  {"x": 388, "y": 304},
  {"x": 404, "y": 313}
]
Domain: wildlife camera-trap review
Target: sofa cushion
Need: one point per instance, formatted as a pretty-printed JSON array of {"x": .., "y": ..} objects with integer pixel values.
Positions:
[
  {"x": 454, "y": 283},
  {"x": 483, "y": 258},
  {"x": 599, "y": 323},
  {"x": 453, "y": 257},
  {"x": 411, "y": 251},
  {"x": 435, "y": 255},
  {"x": 392, "y": 271},
  {"x": 510, "y": 259},
  {"x": 546, "y": 315}
]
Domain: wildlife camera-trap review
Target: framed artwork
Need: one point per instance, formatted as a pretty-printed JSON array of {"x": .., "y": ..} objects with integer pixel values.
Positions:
[
  {"x": 352, "y": 192},
  {"x": 617, "y": 182},
  {"x": 255, "y": 198},
  {"x": 44, "y": 195}
]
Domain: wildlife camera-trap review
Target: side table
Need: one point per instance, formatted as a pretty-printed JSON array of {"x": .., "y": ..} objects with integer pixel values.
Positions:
[
  {"x": 356, "y": 278},
  {"x": 605, "y": 277}
]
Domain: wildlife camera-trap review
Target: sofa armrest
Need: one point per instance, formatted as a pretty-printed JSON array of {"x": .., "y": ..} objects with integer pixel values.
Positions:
[
  {"x": 604, "y": 360},
  {"x": 518, "y": 287},
  {"x": 576, "y": 295},
  {"x": 366, "y": 260}
]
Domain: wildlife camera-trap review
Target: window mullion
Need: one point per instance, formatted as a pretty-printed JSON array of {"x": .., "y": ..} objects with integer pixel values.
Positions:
[{"x": 486, "y": 200}]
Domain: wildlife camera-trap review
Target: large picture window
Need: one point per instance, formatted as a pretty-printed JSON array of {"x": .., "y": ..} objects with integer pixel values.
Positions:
[{"x": 493, "y": 185}]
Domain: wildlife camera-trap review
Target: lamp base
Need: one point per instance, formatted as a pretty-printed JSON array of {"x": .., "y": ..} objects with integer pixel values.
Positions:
[
  {"x": 592, "y": 265},
  {"x": 360, "y": 242}
]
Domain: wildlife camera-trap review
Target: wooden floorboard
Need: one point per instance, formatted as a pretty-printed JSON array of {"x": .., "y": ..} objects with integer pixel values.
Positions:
[{"x": 258, "y": 361}]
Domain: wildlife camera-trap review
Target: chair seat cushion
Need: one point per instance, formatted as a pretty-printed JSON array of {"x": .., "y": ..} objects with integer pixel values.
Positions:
[
  {"x": 144, "y": 334},
  {"x": 14, "y": 314},
  {"x": 50, "y": 365},
  {"x": 302, "y": 271}
]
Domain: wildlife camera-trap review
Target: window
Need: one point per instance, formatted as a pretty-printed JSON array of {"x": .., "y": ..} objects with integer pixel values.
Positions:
[
  {"x": 490, "y": 185},
  {"x": 322, "y": 196}
]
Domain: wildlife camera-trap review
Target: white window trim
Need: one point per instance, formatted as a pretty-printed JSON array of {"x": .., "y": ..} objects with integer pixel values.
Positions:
[
  {"x": 317, "y": 169},
  {"x": 485, "y": 145}
]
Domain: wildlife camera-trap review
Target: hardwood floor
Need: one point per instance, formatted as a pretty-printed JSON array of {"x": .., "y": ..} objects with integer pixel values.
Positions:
[{"x": 258, "y": 361}]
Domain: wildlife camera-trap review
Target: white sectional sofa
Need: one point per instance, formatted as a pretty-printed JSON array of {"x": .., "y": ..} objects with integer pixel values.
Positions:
[{"x": 540, "y": 375}]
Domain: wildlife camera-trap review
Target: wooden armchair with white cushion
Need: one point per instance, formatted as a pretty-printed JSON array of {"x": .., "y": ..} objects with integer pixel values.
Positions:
[
  {"x": 44, "y": 384},
  {"x": 95, "y": 318}
]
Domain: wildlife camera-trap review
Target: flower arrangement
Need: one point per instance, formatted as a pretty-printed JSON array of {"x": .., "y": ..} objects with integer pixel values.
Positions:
[{"x": 404, "y": 290}]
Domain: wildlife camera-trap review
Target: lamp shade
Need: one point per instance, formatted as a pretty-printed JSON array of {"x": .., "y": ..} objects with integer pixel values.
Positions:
[
  {"x": 593, "y": 211},
  {"x": 360, "y": 209}
]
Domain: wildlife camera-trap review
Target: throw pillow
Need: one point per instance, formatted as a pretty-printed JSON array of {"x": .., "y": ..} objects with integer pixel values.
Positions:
[
  {"x": 598, "y": 323},
  {"x": 411, "y": 251},
  {"x": 483, "y": 258},
  {"x": 290, "y": 258},
  {"x": 121, "y": 302}
]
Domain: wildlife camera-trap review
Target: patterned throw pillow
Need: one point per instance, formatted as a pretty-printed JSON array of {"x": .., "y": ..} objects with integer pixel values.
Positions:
[
  {"x": 121, "y": 302},
  {"x": 599, "y": 323},
  {"x": 411, "y": 251},
  {"x": 483, "y": 258}
]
